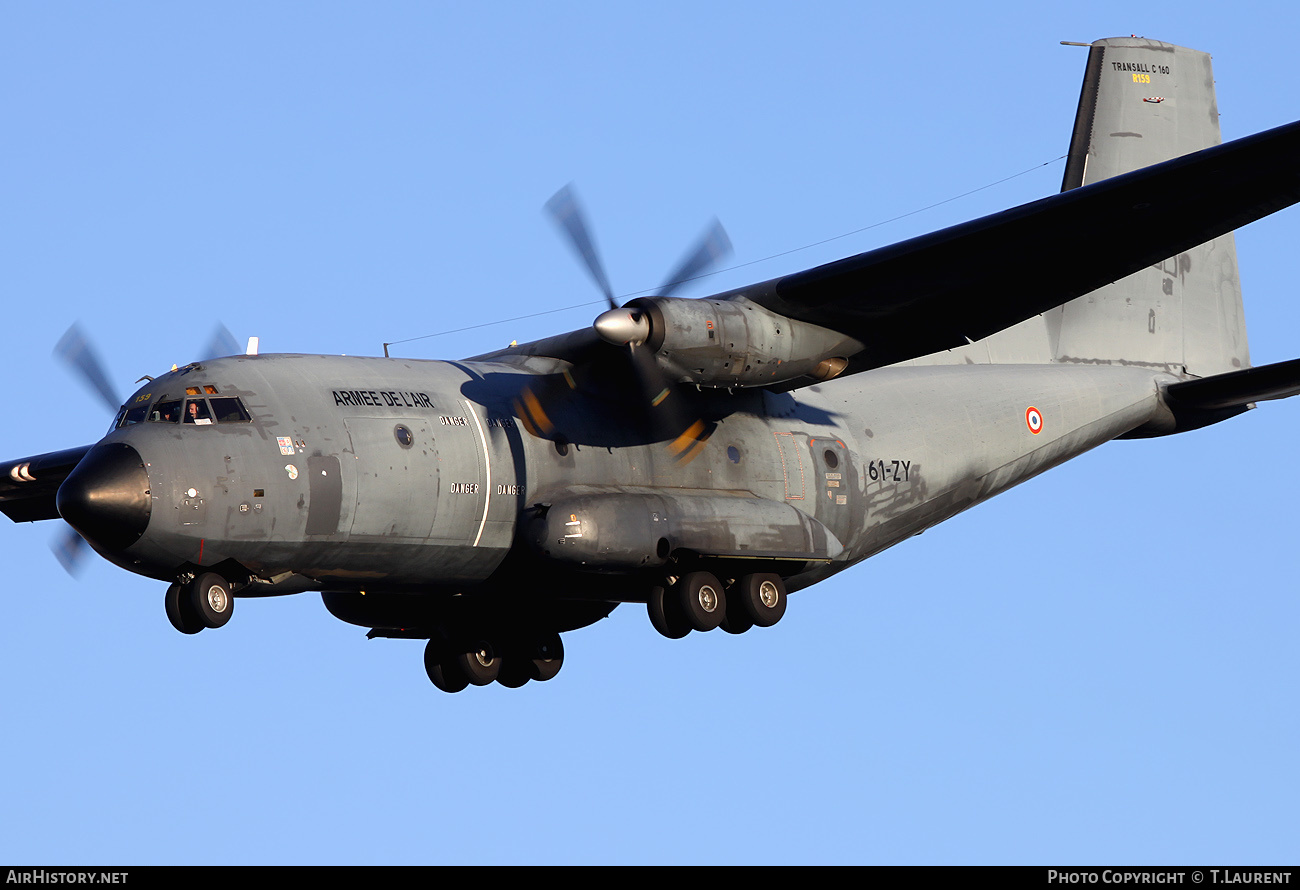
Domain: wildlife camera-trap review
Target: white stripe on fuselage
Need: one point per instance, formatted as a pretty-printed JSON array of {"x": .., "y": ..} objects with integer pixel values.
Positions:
[{"x": 487, "y": 464}]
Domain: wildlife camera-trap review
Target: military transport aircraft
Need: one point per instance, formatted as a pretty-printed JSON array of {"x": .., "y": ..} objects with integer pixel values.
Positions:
[{"x": 704, "y": 457}]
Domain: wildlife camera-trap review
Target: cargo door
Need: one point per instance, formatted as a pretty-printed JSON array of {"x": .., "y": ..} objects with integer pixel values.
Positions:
[
  {"x": 396, "y": 463},
  {"x": 836, "y": 483}
]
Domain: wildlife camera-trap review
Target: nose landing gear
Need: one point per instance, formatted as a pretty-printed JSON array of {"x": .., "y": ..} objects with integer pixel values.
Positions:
[{"x": 199, "y": 602}]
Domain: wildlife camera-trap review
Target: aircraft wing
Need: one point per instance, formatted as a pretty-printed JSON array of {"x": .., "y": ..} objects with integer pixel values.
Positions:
[
  {"x": 28, "y": 484},
  {"x": 963, "y": 283}
]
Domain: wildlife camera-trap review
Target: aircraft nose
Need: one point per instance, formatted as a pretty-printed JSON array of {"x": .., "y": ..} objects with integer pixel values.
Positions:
[{"x": 106, "y": 498}]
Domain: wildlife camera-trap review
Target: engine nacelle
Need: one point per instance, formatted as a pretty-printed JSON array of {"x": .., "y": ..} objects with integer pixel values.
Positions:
[{"x": 728, "y": 343}]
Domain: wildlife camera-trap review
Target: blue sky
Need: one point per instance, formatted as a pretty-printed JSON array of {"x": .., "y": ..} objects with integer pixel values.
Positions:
[{"x": 1099, "y": 666}]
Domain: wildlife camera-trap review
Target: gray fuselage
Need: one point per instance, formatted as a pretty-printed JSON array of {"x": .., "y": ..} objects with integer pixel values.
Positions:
[{"x": 372, "y": 473}]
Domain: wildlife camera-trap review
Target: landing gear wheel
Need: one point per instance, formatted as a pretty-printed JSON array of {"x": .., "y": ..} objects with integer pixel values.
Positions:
[
  {"x": 179, "y": 612},
  {"x": 665, "y": 615},
  {"x": 515, "y": 671},
  {"x": 210, "y": 600},
  {"x": 761, "y": 597},
  {"x": 442, "y": 671},
  {"x": 479, "y": 663},
  {"x": 737, "y": 619},
  {"x": 701, "y": 599},
  {"x": 547, "y": 657}
]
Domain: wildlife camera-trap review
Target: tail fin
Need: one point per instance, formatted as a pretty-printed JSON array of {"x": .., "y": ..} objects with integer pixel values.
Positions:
[{"x": 1144, "y": 102}]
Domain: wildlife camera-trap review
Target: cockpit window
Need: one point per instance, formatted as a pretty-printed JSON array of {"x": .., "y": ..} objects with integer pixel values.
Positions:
[
  {"x": 229, "y": 410},
  {"x": 196, "y": 412},
  {"x": 166, "y": 412},
  {"x": 129, "y": 415}
]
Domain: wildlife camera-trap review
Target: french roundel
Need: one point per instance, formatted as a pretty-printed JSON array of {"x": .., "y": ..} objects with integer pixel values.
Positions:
[{"x": 1034, "y": 420}]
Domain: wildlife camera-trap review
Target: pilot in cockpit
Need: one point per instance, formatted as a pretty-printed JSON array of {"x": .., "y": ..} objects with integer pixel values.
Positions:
[{"x": 196, "y": 412}]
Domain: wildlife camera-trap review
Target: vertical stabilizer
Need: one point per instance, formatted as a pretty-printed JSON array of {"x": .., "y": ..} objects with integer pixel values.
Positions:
[{"x": 1144, "y": 102}]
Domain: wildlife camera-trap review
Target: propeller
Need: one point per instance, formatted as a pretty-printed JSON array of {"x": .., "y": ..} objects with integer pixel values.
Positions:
[
  {"x": 222, "y": 343},
  {"x": 70, "y": 550},
  {"x": 74, "y": 349},
  {"x": 712, "y": 247},
  {"x": 629, "y": 326},
  {"x": 568, "y": 215}
]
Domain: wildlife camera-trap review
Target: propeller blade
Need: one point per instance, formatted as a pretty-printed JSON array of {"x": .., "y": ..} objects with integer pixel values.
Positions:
[
  {"x": 69, "y": 549},
  {"x": 691, "y": 442},
  {"x": 665, "y": 408},
  {"x": 655, "y": 384},
  {"x": 713, "y": 247},
  {"x": 568, "y": 215},
  {"x": 529, "y": 410},
  {"x": 76, "y": 350},
  {"x": 664, "y": 405},
  {"x": 221, "y": 344}
]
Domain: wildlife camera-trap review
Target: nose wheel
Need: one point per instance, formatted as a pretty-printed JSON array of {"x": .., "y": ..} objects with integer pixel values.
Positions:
[
  {"x": 200, "y": 602},
  {"x": 179, "y": 612}
]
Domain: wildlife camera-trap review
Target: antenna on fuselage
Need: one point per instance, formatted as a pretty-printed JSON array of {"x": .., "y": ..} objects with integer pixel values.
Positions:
[{"x": 252, "y": 346}]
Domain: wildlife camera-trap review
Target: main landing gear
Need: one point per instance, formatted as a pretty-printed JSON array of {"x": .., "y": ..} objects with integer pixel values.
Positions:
[
  {"x": 454, "y": 662},
  {"x": 202, "y": 601},
  {"x": 699, "y": 601}
]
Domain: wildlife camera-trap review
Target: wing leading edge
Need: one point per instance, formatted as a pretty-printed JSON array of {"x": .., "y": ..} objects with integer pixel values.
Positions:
[
  {"x": 966, "y": 282},
  {"x": 963, "y": 283},
  {"x": 28, "y": 485}
]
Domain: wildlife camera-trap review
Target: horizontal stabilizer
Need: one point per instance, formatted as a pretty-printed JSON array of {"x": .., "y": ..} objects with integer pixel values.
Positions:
[{"x": 1237, "y": 389}]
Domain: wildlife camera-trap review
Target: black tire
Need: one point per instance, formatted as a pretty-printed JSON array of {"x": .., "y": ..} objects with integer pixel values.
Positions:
[
  {"x": 442, "y": 672},
  {"x": 737, "y": 620},
  {"x": 179, "y": 612},
  {"x": 762, "y": 597},
  {"x": 210, "y": 599},
  {"x": 547, "y": 657},
  {"x": 515, "y": 671},
  {"x": 479, "y": 662},
  {"x": 701, "y": 599},
  {"x": 665, "y": 616}
]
